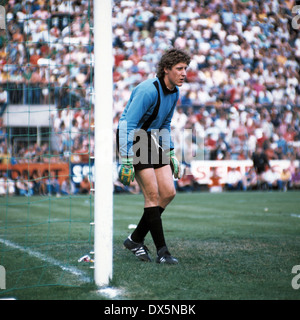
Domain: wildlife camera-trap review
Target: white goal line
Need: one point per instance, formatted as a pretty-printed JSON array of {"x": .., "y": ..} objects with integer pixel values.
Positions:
[{"x": 73, "y": 270}]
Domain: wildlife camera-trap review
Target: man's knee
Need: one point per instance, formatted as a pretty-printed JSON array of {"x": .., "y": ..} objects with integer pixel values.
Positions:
[
  {"x": 152, "y": 197},
  {"x": 167, "y": 197}
]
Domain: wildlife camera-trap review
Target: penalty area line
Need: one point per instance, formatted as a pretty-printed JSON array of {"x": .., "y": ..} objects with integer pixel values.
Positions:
[{"x": 73, "y": 270}]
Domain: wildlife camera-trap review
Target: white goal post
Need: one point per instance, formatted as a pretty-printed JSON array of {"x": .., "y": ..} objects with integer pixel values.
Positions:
[{"x": 103, "y": 195}]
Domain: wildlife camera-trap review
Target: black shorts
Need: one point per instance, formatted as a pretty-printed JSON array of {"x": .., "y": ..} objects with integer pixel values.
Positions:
[{"x": 147, "y": 153}]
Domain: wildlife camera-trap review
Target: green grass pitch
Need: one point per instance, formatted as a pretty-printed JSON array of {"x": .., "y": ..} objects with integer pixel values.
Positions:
[{"x": 239, "y": 245}]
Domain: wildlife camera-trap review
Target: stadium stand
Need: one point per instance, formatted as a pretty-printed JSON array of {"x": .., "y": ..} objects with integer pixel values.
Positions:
[{"x": 242, "y": 88}]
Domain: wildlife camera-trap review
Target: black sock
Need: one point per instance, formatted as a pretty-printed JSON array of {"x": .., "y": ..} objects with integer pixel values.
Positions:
[
  {"x": 142, "y": 228},
  {"x": 140, "y": 232},
  {"x": 152, "y": 215}
]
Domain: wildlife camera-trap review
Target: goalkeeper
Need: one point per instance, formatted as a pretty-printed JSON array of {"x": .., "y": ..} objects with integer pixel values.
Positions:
[{"x": 147, "y": 152}]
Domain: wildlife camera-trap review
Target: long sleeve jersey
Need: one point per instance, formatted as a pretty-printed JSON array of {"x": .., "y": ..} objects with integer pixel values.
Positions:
[{"x": 150, "y": 107}]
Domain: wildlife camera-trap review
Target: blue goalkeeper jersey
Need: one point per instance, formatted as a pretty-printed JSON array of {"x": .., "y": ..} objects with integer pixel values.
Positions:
[{"x": 150, "y": 107}]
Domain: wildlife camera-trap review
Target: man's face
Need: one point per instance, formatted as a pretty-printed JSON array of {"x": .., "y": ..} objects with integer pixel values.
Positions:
[{"x": 175, "y": 76}]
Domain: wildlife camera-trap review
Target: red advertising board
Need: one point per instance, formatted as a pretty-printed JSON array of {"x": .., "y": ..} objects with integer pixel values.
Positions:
[{"x": 61, "y": 170}]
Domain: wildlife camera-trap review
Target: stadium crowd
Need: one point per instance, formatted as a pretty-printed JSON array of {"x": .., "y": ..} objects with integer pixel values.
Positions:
[{"x": 242, "y": 89}]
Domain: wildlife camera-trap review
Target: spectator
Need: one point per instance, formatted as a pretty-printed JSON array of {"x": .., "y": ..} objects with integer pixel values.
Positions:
[
  {"x": 271, "y": 178},
  {"x": 186, "y": 182},
  {"x": 39, "y": 185},
  {"x": 3, "y": 100},
  {"x": 260, "y": 163},
  {"x": 3, "y": 135},
  {"x": 85, "y": 186},
  {"x": 52, "y": 185},
  {"x": 10, "y": 185},
  {"x": 66, "y": 188},
  {"x": 24, "y": 187},
  {"x": 2, "y": 185},
  {"x": 285, "y": 179},
  {"x": 215, "y": 184},
  {"x": 295, "y": 181},
  {"x": 234, "y": 179},
  {"x": 250, "y": 179},
  {"x": 5, "y": 157}
]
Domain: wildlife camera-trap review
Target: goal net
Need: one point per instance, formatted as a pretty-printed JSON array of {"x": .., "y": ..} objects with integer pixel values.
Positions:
[{"x": 47, "y": 144}]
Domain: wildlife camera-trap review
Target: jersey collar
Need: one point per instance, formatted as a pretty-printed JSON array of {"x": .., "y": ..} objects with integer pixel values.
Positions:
[{"x": 165, "y": 89}]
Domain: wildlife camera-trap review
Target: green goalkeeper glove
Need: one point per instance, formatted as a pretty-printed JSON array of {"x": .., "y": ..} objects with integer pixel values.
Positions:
[
  {"x": 126, "y": 173},
  {"x": 175, "y": 164}
]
